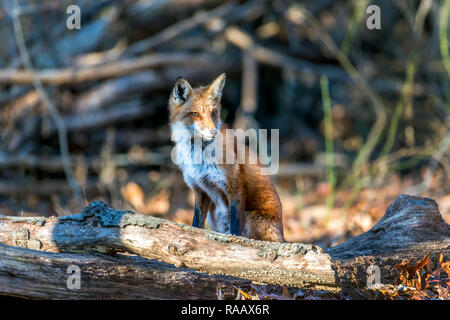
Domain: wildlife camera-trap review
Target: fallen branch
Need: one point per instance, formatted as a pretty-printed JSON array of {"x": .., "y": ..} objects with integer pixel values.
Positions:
[
  {"x": 411, "y": 227},
  {"x": 117, "y": 113},
  {"x": 103, "y": 71},
  {"x": 140, "y": 82},
  {"x": 50, "y": 106},
  {"x": 54, "y": 164},
  {"x": 179, "y": 28},
  {"x": 106, "y": 277},
  {"x": 42, "y": 188},
  {"x": 265, "y": 55}
]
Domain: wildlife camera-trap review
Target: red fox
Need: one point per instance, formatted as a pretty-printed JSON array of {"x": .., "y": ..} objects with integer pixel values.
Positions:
[{"x": 236, "y": 198}]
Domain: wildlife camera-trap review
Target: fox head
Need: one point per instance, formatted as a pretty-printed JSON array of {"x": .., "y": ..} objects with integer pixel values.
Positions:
[{"x": 196, "y": 111}]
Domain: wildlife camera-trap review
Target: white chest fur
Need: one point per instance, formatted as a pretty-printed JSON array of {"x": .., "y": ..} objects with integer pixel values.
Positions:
[
  {"x": 206, "y": 175},
  {"x": 211, "y": 179},
  {"x": 197, "y": 163}
]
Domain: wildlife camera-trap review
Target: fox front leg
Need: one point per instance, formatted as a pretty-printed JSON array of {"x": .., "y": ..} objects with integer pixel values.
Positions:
[
  {"x": 200, "y": 209},
  {"x": 236, "y": 203},
  {"x": 196, "y": 220},
  {"x": 235, "y": 217}
]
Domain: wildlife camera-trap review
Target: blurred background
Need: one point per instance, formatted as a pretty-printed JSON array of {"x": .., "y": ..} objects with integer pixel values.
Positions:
[{"x": 363, "y": 114}]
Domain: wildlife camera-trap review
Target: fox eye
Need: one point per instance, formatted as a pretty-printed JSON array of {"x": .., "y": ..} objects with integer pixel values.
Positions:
[{"x": 195, "y": 114}]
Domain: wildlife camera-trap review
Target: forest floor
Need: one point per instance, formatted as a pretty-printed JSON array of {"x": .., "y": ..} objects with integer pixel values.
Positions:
[{"x": 306, "y": 219}]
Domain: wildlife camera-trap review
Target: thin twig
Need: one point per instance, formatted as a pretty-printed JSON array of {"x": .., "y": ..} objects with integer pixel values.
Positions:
[
  {"x": 249, "y": 96},
  {"x": 179, "y": 28},
  {"x": 435, "y": 159},
  {"x": 269, "y": 56},
  {"x": 298, "y": 14},
  {"x": 62, "y": 134},
  {"x": 329, "y": 145}
]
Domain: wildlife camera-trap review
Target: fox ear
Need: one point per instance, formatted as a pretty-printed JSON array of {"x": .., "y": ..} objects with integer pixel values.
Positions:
[
  {"x": 181, "y": 92},
  {"x": 216, "y": 87}
]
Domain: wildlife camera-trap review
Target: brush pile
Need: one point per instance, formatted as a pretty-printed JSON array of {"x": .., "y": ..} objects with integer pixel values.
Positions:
[{"x": 83, "y": 111}]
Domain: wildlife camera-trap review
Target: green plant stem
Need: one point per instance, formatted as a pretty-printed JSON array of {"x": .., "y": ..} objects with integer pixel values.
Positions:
[
  {"x": 329, "y": 145},
  {"x": 443, "y": 36},
  {"x": 358, "y": 14}
]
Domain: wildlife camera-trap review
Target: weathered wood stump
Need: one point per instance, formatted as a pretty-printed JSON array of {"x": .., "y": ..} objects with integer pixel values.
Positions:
[{"x": 179, "y": 261}]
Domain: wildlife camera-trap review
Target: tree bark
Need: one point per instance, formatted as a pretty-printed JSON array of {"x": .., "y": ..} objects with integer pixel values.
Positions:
[
  {"x": 411, "y": 228},
  {"x": 44, "y": 275}
]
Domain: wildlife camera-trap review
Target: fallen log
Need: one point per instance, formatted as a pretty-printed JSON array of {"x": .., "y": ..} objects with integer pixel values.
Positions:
[
  {"x": 42, "y": 188},
  {"x": 54, "y": 163},
  {"x": 103, "y": 70},
  {"x": 117, "y": 89},
  {"x": 117, "y": 113},
  {"x": 106, "y": 277},
  {"x": 411, "y": 228}
]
